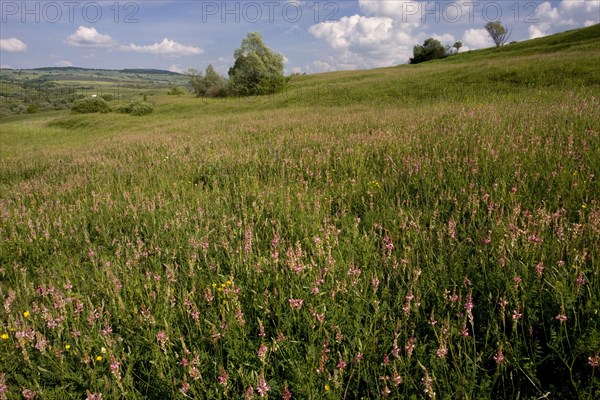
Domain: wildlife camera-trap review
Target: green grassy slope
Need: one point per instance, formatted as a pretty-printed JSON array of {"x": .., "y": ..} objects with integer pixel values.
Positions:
[{"x": 396, "y": 232}]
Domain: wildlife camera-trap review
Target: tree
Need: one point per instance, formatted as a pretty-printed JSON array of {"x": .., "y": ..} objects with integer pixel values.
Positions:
[
  {"x": 498, "y": 32},
  {"x": 432, "y": 49},
  {"x": 457, "y": 46},
  {"x": 196, "y": 82},
  {"x": 257, "y": 69},
  {"x": 210, "y": 84},
  {"x": 216, "y": 85}
]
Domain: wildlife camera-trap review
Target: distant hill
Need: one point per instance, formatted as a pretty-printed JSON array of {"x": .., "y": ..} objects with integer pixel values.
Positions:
[{"x": 146, "y": 71}]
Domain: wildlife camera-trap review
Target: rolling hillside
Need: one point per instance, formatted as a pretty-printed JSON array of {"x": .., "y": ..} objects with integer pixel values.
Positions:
[{"x": 426, "y": 231}]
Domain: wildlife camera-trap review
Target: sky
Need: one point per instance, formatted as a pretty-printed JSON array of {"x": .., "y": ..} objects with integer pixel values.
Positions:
[{"x": 313, "y": 36}]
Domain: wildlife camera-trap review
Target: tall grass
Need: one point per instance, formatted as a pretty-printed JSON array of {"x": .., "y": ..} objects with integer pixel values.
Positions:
[{"x": 419, "y": 247}]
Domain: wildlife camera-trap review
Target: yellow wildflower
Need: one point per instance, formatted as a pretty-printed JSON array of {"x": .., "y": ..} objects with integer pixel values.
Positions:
[
  {"x": 26, "y": 314},
  {"x": 99, "y": 358},
  {"x": 4, "y": 336},
  {"x": 327, "y": 388},
  {"x": 68, "y": 347}
]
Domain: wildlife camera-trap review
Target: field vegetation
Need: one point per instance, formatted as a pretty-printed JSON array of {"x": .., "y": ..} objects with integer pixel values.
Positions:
[{"x": 416, "y": 232}]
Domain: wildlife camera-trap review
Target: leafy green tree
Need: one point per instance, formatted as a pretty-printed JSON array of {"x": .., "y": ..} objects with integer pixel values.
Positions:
[
  {"x": 257, "y": 69},
  {"x": 457, "y": 46},
  {"x": 197, "y": 82},
  {"x": 216, "y": 85},
  {"x": 498, "y": 32},
  {"x": 208, "y": 84},
  {"x": 431, "y": 49}
]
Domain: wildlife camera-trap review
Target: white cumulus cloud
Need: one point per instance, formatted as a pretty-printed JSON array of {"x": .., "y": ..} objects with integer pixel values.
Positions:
[
  {"x": 365, "y": 42},
  {"x": 175, "y": 68},
  {"x": 90, "y": 38},
  {"x": 12, "y": 45},
  {"x": 166, "y": 47},
  {"x": 474, "y": 39},
  {"x": 64, "y": 63},
  {"x": 568, "y": 14}
]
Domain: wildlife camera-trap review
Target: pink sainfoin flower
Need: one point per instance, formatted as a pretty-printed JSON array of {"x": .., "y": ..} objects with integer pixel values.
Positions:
[
  {"x": 517, "y": 314},
  {"x": 469, "y": 306},
  {"x": 594, "y": 361},
  {"x": 162, "y": 338},
  {"x": 9, "y": 300},
  {"x": 262, "y": 351},
  {"x": 287, "y": 395},
  {"x": 442, "y": 351},
  {"x": 410, "y": 346},
  {"x": 114, "y": 367},
  {"x": 386, "y": 359},
  {"x": 29, "y": 394},
  {"x": 261, "y": 329},
  {"x": 341, "y": 364},
  {"x": 499, "y": 357},
  {"x": 427, "y": 383},
  {"x": 93, "y": 396},
  {"x": 517, "y": 279},
  {"x": 262, "y": 388},
  {"x": 539, "y": 269},
  {"x": 3, "y": 387},
  {"x": 375, "y": 283},
  {"x": 296, "y": 304},
  {"x": 389, "y": 244},
  {"x": 249, "y": 393},
  {"x": 223, "y": 378},
  {"x": 580, "y": 281},
  {"x": 561, "y": 316},
  {"x": 185, "y": 387}
]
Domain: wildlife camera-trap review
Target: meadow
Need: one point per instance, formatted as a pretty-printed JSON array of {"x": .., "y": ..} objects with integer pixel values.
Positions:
[{"x": 414, "y": 232}]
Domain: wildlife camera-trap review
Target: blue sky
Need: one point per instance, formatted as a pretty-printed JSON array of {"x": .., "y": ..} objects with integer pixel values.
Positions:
[{"x": 314, "y": 36}]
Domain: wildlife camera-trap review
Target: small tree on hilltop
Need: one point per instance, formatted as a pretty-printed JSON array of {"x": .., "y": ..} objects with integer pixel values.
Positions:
[
  {"x": 457, "y": 46},
  {"x": 431, "y": 49},
  {"x": 257, "y": 69},
  {"x": 498, "y": 32}
]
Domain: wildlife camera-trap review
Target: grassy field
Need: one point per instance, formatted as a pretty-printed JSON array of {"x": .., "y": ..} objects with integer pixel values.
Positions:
[{"x": 423, "y": 232}]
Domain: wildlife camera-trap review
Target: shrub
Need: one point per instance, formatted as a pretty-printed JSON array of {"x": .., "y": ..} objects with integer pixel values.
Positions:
[
  {"x": 176, "y": 91},
  {"x": 108, "y": 97},
  {"x": 136, "y": 108},
  {"x": 90, "y": 105}
]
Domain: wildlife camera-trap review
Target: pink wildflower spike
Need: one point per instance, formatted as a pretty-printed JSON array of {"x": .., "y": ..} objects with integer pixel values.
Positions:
[
  {"x": 296, "y": 304},
  {"x": 262, "y": 388},
  {"x": 499, "y": 357}
]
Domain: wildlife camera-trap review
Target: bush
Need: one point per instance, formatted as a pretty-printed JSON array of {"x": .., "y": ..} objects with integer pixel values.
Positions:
[
  {"x": 136, "y": 108},
  {"x": 176, "y": 91},
  {"x": 108, "y": 97},
  {"x": 90, "y": 105}
]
